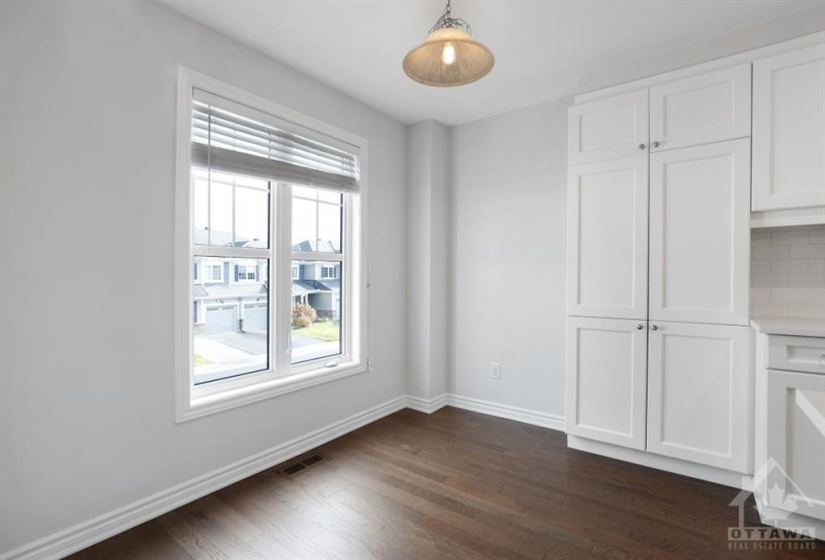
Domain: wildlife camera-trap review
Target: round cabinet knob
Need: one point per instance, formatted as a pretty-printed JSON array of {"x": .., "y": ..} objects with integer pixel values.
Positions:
[
  {"x": 639, "y": 327},
  {"x": 642, "y": 146},
  {"x": 654, "y": 328},
  {"x": 656, "y": 144}
]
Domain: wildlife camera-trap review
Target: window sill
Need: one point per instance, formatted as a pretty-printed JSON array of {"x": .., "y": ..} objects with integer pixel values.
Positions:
[{"x": 200, "y": 406}]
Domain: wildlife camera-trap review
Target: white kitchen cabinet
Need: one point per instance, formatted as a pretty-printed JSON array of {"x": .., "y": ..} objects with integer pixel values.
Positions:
[
  {"x": 789, "y": 131},
  {"x": 607, "y": 239},
  {"x": 700, "y": 394},
  {"x": 700, "y": 234},
  {"x": 710, "y": 107},
  {"x": 794, "y": 475},
  {"x": 609, "y": 128},
  {"x": 606, "y": 377}
]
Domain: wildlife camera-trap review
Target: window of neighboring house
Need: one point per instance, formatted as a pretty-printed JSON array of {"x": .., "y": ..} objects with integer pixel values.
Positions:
[
  {"x": 246, "y": 273},
  {"x": 249, "y": 170},
  {"x": 212, "y": 272}
]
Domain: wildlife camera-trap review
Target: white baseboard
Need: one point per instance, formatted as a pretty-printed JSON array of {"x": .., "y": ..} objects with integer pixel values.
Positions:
[
  {"x": 107, "y": 525},
  {"x": 662, "y": 463},
  {"x": 428, "y": 406},
  {"x": 552, "y": 421}
]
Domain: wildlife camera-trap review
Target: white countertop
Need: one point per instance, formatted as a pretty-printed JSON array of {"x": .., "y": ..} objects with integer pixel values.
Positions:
[{"x": 792, "y": 326}]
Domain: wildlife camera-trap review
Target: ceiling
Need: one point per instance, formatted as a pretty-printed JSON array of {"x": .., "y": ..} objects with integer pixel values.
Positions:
[{"x": 541, "y": 46}]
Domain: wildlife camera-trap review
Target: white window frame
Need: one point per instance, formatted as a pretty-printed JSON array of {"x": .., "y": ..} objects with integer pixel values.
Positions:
[
  {"x": 332, "y": 268},
  {"x": 281, "y": 377}
]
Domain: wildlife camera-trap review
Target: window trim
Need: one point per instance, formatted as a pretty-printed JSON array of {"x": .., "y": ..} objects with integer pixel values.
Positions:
[{"x": 191, "y": 402}]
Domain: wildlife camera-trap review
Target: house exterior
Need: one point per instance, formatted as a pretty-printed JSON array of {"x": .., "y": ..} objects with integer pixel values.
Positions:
[{"x": 230, "y": 295}]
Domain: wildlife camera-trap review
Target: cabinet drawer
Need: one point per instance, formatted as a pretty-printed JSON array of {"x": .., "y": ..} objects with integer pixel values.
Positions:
[{"x": 796, "y": 353}]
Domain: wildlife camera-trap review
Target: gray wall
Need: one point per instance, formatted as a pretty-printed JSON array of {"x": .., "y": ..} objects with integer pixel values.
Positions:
[
  {"x": 428, "y": 259},
  {"x": 508, "y": 289},
  {"x": 87, "y": 152}
]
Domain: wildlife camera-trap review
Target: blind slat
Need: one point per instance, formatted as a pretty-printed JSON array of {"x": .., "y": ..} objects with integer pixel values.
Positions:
[
  {"x": 221, "y": 159},
  {"x": 222, "y": 140}
]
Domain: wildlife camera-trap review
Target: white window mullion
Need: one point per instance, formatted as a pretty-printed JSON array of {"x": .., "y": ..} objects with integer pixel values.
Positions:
[
  {"x": 280, "y": 336},
  {"x": 311, "y": 256}
]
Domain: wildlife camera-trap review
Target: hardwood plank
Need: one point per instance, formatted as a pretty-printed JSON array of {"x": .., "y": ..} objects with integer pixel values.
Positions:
[{"x": 452, "y": 485}]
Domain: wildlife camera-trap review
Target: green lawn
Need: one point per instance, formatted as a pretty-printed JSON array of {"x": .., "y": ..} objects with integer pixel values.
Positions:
[
  {"x": 201, "y": 361},
  {"x": 327, "y": 331}
]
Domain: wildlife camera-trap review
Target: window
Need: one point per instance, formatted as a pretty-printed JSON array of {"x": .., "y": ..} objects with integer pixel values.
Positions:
[
  {"x": 212, "y": 272},
  {"x": 246, "y": 273},
  {"x": 251, "y": 324}
]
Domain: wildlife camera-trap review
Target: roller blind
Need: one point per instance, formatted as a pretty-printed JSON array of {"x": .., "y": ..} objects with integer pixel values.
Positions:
[{"x": 230, "y": 137}]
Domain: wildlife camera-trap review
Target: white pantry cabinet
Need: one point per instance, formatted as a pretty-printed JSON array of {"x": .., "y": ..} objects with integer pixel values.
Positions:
[
  {"x": 701, "y": 109},
  {"x": 607, "y": 238},
  {"x": 607, "y": 380},
  {"x": 700, "y": 234},
  {"x": 789, "y": 131},
  {"x": 700, "y": 394},
  {"x": 609, "y": 128}
]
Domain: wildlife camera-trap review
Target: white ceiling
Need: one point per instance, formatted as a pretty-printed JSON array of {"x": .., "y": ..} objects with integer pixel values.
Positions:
[{"x": 541, "y": 46}]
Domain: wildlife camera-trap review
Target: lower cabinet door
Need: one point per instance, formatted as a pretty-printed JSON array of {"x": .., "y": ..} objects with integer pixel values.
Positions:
[
  {"x": 700, "y": 394},
  {"x": 606, "y": 380},
  {"x": 794, "y": 473}
]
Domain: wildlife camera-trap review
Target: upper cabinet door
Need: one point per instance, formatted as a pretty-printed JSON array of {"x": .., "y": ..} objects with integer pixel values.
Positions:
[
  {"x": 608, "y": 128},
  {"x": 607, "y": 239},
  {"x": 789, "y": 130},
  {"x": 701, "y": 109},
  {"x": 700, "y": 394},
  {"x": 700, "y": 234}
]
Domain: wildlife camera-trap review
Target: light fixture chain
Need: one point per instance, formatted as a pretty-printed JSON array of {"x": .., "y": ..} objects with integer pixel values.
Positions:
[{"x": 446, "y": 21}]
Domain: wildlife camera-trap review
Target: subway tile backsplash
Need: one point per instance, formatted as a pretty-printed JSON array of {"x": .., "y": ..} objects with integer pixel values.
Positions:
[{"x": 788, "y": 271}]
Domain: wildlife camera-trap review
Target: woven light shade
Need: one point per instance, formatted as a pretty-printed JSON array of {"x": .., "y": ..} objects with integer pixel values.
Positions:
[{"x": 449, "y": 57}]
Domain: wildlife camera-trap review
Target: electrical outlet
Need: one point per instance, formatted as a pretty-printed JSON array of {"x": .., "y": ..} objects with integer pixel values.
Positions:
[
  {"x": 495, "y": 370},
  {"x": 370, "y": 365}
]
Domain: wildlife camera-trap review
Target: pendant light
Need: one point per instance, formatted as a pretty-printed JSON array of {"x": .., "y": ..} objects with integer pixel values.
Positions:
[{"x": 450, "y": 56}]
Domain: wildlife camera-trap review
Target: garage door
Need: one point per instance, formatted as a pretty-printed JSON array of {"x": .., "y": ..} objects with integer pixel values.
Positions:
[
  {"x": 254, "y": 316},
  {"x": 221, "y": 318}
]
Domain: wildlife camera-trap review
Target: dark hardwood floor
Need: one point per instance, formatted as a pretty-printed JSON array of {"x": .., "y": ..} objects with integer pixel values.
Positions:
[{"x": 453, "y": 484}]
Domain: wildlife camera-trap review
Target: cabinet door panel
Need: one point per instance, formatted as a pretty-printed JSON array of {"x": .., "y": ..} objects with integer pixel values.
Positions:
[
  {"x": 701, "y": 109},
  {"x": 606, "y": 380},
  {"x": 700, "y": 394},
  {"x": 700, "y": 234},
  {"x": 796, "y": 443},
  {"x": 789, "y": 130},
  {"x": 607, "y": 239},
  {"x": 608, "y": 128}
]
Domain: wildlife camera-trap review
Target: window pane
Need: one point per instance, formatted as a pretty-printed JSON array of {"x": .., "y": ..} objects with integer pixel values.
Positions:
[
  {"x": 231, "y": 318},
  {"x": 220, "y": 214},
  {"x": 201, "y": 216},
  {"x": 224, "y": 202},
  {"x": 329, "y": 228},
  {"x": 316, "y": 310},
  {"x": 252, "y": 217},
  {"x": 316, "y": 226},
  {"x": 304, "y": 225}
]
